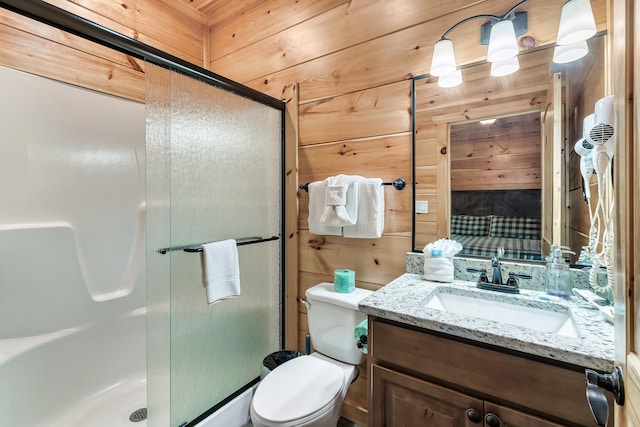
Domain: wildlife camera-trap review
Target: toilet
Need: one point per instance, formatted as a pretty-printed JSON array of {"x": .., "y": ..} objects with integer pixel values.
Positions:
[{"x": 309, "y": 390}]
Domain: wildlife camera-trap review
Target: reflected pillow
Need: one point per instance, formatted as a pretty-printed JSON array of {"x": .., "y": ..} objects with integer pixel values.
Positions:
[
  {"x": 516, "y": 228},
  {"x": 470, "y": 225}
]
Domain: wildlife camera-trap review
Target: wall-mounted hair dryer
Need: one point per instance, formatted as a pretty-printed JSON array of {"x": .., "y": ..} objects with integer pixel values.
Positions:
[
  {"x": 586, "y": 169},
  {"x": 601, "y": 135},
  {"x": 584, "y": 148}
]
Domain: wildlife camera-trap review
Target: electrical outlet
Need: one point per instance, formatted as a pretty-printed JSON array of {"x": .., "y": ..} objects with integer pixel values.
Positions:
[{"x": 422, "y": 206}]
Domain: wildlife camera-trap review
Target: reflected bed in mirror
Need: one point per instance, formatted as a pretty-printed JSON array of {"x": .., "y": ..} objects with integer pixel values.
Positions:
[
  {"x": 495, "y": 186},
  {"x": 520, "y": 169}
]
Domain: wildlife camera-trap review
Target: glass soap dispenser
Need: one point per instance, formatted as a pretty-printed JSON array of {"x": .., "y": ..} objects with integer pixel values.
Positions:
[{"x": 557, "y": 274}]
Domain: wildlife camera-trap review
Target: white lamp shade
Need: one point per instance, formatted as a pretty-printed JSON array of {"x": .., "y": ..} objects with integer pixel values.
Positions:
[
  {"x": 502, "y": 42},
  {"x": 443, "y": 61},
  {"x": 506, "y": 67},
  {"x": 576, "y": 22},
  {"x": 570, "y": 52},
  {"x": 450, "y": 80}
]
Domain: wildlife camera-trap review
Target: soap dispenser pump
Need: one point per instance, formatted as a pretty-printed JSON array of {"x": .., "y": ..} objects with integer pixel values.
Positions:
[{"x": 558, "y": 275}]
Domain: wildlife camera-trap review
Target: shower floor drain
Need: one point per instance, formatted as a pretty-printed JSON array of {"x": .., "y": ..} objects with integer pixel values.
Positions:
[{"x": 139, "y": 415}]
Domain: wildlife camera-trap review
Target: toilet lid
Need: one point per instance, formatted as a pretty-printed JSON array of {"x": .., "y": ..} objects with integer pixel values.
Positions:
[{"x": 297, "y": 389}]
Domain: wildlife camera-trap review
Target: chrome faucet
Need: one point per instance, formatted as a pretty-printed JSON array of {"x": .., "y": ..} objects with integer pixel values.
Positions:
[{"x": 496, "y": 279}]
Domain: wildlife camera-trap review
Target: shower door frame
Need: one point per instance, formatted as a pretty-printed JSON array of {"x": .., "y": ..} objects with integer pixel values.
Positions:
[{"x": 61, "y": 19}]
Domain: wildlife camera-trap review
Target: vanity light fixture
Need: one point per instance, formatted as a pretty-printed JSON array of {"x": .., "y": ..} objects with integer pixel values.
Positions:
[
  {"x": 570, "y": 52},
  {"x": 577, "y": 24},
  {"x": 450, "y": 80},
  {"x": 503, "y": 44},
  {"x": 499, "y": 33},
  {"x": 506, "y": 67},
  {"x": 443, "y": 62}
]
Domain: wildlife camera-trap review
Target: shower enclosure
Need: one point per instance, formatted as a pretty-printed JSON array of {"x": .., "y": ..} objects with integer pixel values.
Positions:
[
  {"x": 105, "y": 203},
  {"x": 72, "y": 264},
  {"x": 214, "y": 172}
]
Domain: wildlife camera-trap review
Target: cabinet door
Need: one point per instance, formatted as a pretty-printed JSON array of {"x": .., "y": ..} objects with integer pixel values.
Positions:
[
  {"x": 399, "y": 400},
  {"x": 505, "y": 417}
]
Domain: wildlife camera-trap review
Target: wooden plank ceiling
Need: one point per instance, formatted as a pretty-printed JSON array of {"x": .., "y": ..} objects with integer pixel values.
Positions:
[{"x": 220, "y": 10}]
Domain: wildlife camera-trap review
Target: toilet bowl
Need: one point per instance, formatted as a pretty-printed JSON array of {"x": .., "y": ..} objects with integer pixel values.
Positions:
[{"x": 306, "y": 391}]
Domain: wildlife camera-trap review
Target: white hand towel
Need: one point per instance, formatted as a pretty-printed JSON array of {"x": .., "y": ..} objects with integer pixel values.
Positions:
[
  {"x": 317, "y": 198},
  {"x": 370, "y": 222},
  {"x": 341, "y": 200},
  {"x": 220, "y": 270}
]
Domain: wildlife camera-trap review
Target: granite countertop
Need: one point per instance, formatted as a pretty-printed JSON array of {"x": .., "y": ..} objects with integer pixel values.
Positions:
[{"x": 403, "y": 300}]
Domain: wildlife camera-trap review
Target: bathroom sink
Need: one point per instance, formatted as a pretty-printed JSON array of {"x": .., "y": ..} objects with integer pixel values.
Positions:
[{"x": 544, "y": 317}]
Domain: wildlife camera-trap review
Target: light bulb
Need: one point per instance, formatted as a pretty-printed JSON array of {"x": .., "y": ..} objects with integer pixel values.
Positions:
[
  {"x": 450, "y": 80},
  {"x": 502, "y": 42},
  {"x": 443, "y": 61},
  {"x": 506, "y": 67},
  {"x": 576, "y": 22},
  {"x": 570, "y": 52}
]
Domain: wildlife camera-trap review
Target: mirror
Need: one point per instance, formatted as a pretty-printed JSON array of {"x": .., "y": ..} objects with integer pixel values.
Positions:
[{"x": 519, "y": 170}]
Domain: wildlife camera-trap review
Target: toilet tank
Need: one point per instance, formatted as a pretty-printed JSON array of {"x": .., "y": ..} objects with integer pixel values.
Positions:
[{"x": 333, "y": 317}]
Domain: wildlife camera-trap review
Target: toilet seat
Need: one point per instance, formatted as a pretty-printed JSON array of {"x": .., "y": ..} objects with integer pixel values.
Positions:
[{"x": 298, "y": 391}]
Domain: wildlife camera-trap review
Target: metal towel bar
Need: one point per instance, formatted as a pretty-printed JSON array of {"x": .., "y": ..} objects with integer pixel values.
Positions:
[
  {"x": 198, "y": 247},
  {"x": 398, "y": 184}
]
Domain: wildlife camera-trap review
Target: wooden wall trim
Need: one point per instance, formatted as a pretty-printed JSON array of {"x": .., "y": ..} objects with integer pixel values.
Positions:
[
  {"x": 443, "y": 181},
  {"x": 292, "y": 213}
]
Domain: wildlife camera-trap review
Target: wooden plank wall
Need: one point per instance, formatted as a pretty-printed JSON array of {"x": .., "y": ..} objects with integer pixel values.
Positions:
[
  {"x": 504, "y": 155},
  {"x": 352, "y": 63},
  {"x": 173, "y": 27}
]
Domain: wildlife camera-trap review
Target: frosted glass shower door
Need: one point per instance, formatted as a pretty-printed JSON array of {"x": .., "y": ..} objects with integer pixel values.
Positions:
[{"x": 214, "y": 172}]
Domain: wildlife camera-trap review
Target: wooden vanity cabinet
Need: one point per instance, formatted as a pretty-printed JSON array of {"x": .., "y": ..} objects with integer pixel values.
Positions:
[
  {"x": 422, "y": 379},
  {"x": 401, "y": 400}
]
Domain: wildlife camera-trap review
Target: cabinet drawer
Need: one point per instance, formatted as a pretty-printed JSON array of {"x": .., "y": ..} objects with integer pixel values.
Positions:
[{"x": 551, "y": 391}]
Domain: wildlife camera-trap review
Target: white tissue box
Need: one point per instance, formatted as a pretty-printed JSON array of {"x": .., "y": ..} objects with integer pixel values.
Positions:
[{"x": 439, "y": 269}]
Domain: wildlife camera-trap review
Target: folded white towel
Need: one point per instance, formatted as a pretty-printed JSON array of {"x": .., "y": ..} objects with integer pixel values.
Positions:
[
  {"x": 317, "y": 198},
  {"x": 341, "y": 200},
  {"x": 370, "y": 222},
  {"x": 220, "y": 270}
]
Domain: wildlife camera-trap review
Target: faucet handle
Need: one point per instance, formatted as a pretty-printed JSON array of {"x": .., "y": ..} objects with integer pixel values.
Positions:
[
  {"x": 512, "y": 281},
  {"x": 499, "y": 251},
  {"x": 483, "y": 274}
]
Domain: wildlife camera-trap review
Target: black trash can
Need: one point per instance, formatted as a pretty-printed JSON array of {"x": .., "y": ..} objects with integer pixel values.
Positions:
[{"x": 276, "y": 359}]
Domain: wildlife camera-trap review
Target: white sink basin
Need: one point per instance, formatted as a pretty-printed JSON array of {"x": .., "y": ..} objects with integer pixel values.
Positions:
[{"x": 556, "y": 320}]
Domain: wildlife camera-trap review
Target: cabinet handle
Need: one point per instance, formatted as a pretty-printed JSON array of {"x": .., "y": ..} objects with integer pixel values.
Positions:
[
  {"x": 492, "y": 420},
  {"x": 598, "y": 404},
  {"x": 474, "y": 415}
]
